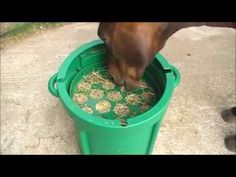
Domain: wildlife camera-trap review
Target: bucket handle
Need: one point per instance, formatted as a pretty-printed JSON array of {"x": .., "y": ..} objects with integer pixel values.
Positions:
[
  {"x": 51, "y": 84},
  {"x": 176, "y": 76}
]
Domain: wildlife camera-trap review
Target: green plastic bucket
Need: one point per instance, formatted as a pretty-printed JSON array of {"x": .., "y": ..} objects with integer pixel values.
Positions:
[{"x": 107, "y": 136}]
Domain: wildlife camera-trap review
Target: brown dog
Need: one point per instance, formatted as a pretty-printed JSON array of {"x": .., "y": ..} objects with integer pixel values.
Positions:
[{"x": 131, "y": 47}]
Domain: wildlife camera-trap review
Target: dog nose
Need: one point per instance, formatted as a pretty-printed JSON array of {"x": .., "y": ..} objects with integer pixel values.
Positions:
[
  {"x": 129, "y": 87},
  {"x": 117, "y": 80}
]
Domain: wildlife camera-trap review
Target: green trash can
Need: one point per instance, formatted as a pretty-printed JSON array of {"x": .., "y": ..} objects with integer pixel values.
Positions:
[{"x": 105, "y": 136}]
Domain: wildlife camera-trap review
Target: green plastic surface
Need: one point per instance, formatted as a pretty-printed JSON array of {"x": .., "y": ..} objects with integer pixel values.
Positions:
[
  {"x": 107, "y": 136},
  {"x": 134, "y": 108}
]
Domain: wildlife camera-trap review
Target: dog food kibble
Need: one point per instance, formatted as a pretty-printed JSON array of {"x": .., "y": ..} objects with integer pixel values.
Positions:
[
  {"x": 133, "y": 99},
  {"x": 108, "y": 85},
  {"x": 94, "y": 77},
  {"x": 114, "y": 96},
  {"x": 121, "y": 109},
  {"x": 103, "y": 106},
  {"x": 87, "y": 109},
  {"x": 84, "y": 86},
  {"x": 148, "y": 97},
  {"x": 96, "y": 93},
  {"x": 80, "y": 98}
]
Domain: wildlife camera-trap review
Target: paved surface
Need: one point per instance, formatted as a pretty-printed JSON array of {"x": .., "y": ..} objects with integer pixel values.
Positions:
[{"x": 34, "y": 122}]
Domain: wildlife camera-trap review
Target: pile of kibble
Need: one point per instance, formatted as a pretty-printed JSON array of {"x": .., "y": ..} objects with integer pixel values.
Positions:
[{"x": 98, "y": 95}]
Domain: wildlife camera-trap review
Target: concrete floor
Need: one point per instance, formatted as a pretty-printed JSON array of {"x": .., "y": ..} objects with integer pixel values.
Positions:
[{"x": 34, "y": 122}]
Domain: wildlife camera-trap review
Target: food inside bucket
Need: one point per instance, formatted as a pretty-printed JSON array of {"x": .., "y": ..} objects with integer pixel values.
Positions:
[{"x": 98, "y": 95}]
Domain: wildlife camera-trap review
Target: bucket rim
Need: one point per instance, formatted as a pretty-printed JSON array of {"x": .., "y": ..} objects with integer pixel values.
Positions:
[{"x": 151, "y": 114}]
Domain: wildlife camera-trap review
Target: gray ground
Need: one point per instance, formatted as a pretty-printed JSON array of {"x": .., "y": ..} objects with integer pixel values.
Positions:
[{"x": 34, "y": 122}]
